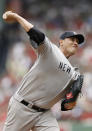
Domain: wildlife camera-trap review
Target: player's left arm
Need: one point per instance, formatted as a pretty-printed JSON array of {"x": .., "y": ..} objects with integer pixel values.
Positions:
[{"x": 70, "y": 99}]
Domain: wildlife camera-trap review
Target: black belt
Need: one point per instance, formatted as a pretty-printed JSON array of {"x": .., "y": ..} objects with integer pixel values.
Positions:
[{"x": 38, "y": 109}]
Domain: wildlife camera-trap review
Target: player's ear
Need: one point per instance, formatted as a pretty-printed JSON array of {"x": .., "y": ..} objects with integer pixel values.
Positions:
[{"x": 61, "y": 42}]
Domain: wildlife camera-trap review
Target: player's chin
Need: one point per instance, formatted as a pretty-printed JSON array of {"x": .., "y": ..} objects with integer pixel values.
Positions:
[{"x": 73, "y": 51}]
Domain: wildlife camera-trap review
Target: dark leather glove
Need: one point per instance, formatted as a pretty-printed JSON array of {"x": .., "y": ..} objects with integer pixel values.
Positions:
[{"x": 70, "y": 99}]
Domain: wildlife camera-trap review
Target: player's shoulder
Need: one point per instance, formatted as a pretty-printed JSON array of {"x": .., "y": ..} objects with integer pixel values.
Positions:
[
  {"x": 55, "y": 48},
  {"x": 52, "y": 47}
]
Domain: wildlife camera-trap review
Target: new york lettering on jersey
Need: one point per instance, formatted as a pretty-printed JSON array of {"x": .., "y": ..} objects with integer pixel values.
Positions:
[{"x": 64, "y": 67}]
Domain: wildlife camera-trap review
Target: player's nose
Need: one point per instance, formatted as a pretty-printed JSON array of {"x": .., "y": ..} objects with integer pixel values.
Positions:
[{"x": 75, "y": 43}]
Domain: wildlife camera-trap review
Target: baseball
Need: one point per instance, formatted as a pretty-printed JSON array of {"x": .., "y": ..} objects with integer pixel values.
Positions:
[{"x": 9, "y": 17}]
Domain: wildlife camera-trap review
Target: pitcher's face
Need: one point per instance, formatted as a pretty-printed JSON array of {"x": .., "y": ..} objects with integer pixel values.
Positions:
[{"x": 70, "y": 45}]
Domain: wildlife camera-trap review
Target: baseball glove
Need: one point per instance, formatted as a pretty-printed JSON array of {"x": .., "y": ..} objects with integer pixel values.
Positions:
[{"x": 71, "y": 96}]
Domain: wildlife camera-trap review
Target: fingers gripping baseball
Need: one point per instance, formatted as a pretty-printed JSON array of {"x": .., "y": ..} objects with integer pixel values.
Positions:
[{"x": 9, "y": 16}]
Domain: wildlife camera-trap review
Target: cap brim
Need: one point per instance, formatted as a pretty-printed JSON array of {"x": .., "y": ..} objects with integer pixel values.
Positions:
[{"x": 79, "y": 37}]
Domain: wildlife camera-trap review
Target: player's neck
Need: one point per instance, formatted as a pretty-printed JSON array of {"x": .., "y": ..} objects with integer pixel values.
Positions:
[{"x": 67, "y": 55}]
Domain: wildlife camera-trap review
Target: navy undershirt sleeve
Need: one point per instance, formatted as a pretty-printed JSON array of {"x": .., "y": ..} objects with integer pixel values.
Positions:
[{"x": 36, "y": 36}]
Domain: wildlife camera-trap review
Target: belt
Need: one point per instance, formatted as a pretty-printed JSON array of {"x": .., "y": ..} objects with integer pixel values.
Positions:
[{"x": 38, "y": 109}]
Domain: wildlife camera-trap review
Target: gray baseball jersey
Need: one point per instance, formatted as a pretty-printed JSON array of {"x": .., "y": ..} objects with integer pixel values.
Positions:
[{"x": 44, "y": 83}]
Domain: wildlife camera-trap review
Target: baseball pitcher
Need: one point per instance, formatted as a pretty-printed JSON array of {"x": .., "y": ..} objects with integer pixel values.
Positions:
[{"x": 51, "y": 79}]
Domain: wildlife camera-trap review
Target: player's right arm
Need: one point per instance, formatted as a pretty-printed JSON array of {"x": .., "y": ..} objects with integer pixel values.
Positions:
[
  {"x": 35, "y": 35},
  {"x": 11, "y": 17}
]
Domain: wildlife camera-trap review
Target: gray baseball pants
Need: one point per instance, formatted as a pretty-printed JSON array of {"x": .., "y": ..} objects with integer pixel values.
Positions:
[{"x": 23, "y": 118}]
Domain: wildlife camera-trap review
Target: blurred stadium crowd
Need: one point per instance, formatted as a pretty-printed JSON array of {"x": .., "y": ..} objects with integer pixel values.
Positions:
[{"x": 17, "y": 57}]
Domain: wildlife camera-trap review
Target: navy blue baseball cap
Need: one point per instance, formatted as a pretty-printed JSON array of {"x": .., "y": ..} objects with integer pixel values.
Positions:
[{"x": 69, "y": 34}]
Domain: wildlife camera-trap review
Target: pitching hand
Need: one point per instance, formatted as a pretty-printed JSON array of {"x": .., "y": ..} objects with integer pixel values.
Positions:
[{"x": 9, "y": 16}]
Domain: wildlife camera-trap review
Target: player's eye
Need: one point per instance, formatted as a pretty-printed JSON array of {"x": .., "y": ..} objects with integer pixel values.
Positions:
[
  {"x": 77, "y": 40},
  {"x": 74, "y": 39}
]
